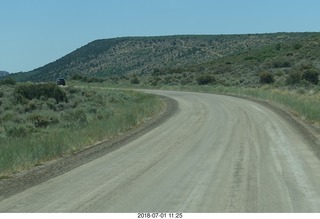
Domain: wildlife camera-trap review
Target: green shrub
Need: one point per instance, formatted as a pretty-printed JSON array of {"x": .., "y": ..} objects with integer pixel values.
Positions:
[
  {"x": 37, "y": 91},
  {"x": 301, "y": 91},
  {"x": 42, "y": 121},
  {"x": 76, "y": 116},
  {"x": 311, "y": 75},
  {"x": 72, "y": 90},
  {"x": 7, "y": 116},
  {"x": 78, "y": 77},
  {"x": 281, "y": 63},
  {"x": 18, "y": 131},
  {"x": 51, "y": 103},
  {"x": 306, "y": 72},
  {"x": 8, "y": 81},
  {"x": 248, "y": 58},
  {"x": 293, "y": 78},
  {"x": 156, "y": 72},
  {"x": 186, "y": 81},
  {"x": 32, "y": 105},
  {"x": 93, "y": 80},
  {"x": 305, "y": 65},
  {"x": 61, "y": 106},
  {"x": 266, "y": 77},
  {"x": 205, "y": 79},
  {"x": 297, "y": 46},
  {"x": 135, "y": 80}
]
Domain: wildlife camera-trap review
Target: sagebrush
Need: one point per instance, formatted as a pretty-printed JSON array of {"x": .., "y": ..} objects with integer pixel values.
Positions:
[{"x": 42, "y": 126}]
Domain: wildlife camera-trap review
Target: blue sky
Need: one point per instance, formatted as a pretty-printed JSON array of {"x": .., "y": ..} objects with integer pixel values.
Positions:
[{"x": 36, "y": 32}]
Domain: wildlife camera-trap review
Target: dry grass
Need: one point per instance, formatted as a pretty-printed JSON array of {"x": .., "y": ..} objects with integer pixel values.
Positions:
[{"x": 38, "y": 130}]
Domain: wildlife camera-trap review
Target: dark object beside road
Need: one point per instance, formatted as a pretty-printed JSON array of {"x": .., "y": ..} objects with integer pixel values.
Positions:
[{"x": 61, "y": 81}]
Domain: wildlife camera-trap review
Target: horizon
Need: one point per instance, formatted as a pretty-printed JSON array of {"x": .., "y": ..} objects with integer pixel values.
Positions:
[{"x": 35, "y": 33}]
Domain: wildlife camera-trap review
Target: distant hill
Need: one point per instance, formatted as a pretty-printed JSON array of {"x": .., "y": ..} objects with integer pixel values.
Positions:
[
  {"x": 157, "y": 58},
  {"x": 3, "y": 73}
]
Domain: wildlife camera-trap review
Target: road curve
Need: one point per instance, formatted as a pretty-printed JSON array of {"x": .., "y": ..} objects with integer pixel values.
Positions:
[{"x": 216, "y": 154}]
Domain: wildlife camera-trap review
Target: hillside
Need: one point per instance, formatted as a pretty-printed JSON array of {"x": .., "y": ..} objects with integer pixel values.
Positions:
[
  {"x": 142, "y": 54},
  {"x": 294, "y": 61},
  {"x": 178, "y": 59}
]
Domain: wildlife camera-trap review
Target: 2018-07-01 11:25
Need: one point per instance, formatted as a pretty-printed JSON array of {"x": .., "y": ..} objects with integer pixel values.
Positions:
[{"x": 160, "y": 215}]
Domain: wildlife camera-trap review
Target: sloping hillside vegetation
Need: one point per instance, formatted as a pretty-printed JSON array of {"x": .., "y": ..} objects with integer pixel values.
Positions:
[
  {"x": 180, "y": 57},
  {"x": 290, "y": 62}
]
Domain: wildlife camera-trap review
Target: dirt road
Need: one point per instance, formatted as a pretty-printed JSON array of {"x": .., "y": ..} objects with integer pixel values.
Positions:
[{"x": 216, "y": 154}]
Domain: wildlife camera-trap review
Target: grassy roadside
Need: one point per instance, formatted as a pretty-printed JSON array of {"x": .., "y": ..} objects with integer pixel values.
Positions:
[
  {"x": 301, "y": 102},
  {"x": 41, "y": 128}
]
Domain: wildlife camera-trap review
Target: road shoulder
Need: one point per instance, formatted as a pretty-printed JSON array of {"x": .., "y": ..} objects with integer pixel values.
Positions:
[{"x": 310, "y": 132}]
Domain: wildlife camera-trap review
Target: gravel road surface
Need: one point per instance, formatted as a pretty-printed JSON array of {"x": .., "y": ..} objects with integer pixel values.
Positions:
[{"x": 215, "y": 154}]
